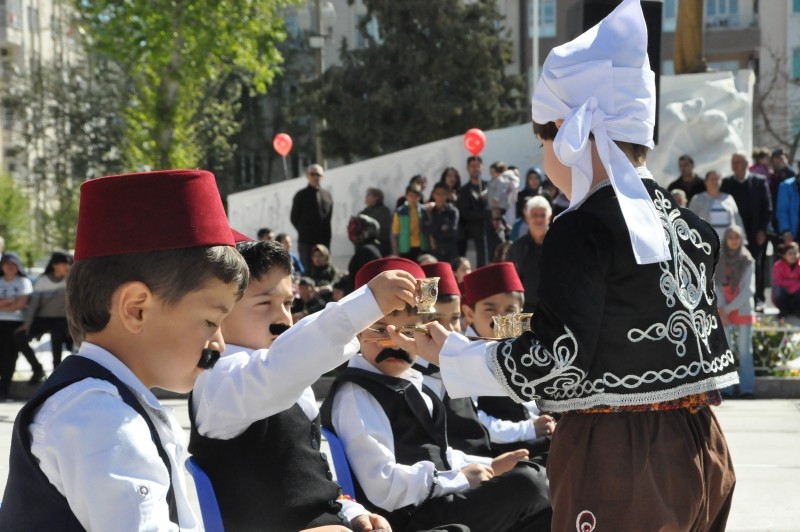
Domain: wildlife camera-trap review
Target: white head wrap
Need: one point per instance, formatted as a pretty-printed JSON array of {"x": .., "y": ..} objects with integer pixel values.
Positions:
[{"x": 601, "y": 83}]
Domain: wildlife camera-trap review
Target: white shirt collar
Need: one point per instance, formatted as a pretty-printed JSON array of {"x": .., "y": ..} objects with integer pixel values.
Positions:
[{"x": 106, "y": 359}]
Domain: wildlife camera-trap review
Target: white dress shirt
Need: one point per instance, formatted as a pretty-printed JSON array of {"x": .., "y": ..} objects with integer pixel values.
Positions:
[
  {"x": 98, "y": 453},
  {"x": 248, "y": 385},
  {"x": 366, "y": 434},
  {"x": 503, "y": 430}
]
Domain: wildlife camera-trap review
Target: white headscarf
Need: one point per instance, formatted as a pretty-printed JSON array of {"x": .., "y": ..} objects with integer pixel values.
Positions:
[{"x": 601, "y": 83}]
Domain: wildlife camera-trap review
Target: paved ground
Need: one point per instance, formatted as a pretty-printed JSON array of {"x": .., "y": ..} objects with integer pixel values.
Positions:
[{"x": 763, "y": 435}]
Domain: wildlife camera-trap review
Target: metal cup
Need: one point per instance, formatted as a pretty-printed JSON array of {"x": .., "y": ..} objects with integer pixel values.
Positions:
[
  {"x": 427, "y": 293},
  {"x": 502, "y": 326},
  {"x": 520, "y": 322}
]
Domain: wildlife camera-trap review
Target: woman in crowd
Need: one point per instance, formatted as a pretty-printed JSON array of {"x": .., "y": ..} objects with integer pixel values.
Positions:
[
  {"x": 452, "y": 179},
  {"x": 321, "y": 270},
  {"x": 716, "y": 207},
  {"x": 533, "y": 187},
  {"x": 735, "y": 281},
  {"x": 15, "y": 290},
  {"x": 47, "y": 311}
]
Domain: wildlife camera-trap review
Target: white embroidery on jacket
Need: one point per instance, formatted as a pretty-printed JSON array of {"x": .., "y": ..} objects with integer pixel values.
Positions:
[
  {"x": 682, "y": 282},
  {"x": 585, "y": 522}
]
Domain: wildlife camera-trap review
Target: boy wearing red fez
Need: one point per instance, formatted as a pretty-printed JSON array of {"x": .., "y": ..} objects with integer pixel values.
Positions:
[
  {"x": 155, "y": 273},
  {"x": 496, "y": 290},
  {"x": 255, "y": 421},
  {"x": 392, "y": 427}
]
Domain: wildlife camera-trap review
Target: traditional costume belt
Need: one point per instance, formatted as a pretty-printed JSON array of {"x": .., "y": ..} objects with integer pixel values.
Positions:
[{"x": 693, "y": 403}]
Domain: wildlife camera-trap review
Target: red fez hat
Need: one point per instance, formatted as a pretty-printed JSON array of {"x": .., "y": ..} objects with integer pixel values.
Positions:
[
  {"x": 374, "y": 267},
  {"x": 152, "y": 211},
  {"x": 240, "y": 237},
  {"x": 447, "y": 281},
  {"x": 489, "y": 280}
]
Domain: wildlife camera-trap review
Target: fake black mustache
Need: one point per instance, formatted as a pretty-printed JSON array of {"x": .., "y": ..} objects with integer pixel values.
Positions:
[
  {"x": 278, "y": 328},
  {"x": 393, "y": 353},
  {"x": 208, "y": 357}
]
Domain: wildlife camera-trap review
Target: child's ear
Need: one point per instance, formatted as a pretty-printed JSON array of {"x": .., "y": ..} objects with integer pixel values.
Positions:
[
  {"x": 467, "y": 313},
  {"x": 559, "y": 122},
  {"x": 130, "y": 302}
]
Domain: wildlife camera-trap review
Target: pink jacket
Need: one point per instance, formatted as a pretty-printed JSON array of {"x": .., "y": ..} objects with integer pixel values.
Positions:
[{"x": 786, "y": 277}]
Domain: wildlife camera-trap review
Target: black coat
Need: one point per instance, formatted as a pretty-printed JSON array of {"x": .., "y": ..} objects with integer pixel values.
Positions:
[{"x": 312, "y": 210}]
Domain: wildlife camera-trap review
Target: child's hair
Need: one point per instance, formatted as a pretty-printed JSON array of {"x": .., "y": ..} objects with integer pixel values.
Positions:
[
  {"x": 57, "y": 257},
  {"x": 264, "y": 231},
  {"x": 169, "y": 274},
  {"x": 786, "y": 247},
  {"x": 264, "y": 256},
  {"x": 441, "y": 185},
  {"x": 499, "y": 167},
  {"x": 458, "y": 262},
  {"x": 414, "y": 189},
  {"x": 549, "y": 131},
  {"x": 447, "y": 298}
]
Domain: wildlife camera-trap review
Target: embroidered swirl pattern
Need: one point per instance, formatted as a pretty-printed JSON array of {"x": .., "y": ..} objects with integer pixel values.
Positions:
[{"x": 682, "y": 283}]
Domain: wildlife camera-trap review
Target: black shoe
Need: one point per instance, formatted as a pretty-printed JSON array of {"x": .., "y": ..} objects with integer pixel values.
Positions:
[{"x": 37, "y": 378}]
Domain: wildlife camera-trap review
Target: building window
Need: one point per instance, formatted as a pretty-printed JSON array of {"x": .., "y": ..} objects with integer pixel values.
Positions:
[
  {"x": 796, "y": 6},
  {"x": 722, "y": 13},
  {"x": 670, "y": 15},
  {"x": 372, "y": 31},
  {"x": 796, "y": 63},
  {"x": 547, "y": 18},
  {"x": 668, "y": 67}
]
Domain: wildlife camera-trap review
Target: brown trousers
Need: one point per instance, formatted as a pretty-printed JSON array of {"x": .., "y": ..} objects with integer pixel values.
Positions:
[{"x": 640, "y": 471}]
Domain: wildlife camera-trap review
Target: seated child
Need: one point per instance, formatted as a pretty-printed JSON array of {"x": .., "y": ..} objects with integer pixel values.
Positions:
[
  {"x": 464, "y": 430},
  {"x": 255, "y": 423},
  {"x": 392, "y": 427},
  {"x": 786, "y": 282},
  {"x": 155, "y": 273},
  {"x": 496, "y": 290}
]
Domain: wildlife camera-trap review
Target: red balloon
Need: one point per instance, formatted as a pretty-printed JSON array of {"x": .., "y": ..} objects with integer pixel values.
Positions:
[
  {"x": 282, "y": 144},
  {"x": 474, "y": 141}
]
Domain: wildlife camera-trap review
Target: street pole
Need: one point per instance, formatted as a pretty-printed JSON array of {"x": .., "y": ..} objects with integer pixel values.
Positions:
[
  {"x": 535, "y": 39},
  {"x": 320, "y": 66}
]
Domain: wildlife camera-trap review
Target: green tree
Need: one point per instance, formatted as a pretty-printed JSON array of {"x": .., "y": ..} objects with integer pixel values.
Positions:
[
  {"x": 435, "y": 70},
  {"x": 179, "y": 56},
  {"x": 68, "y": 119},
  {"x": 15, "y": 221}
]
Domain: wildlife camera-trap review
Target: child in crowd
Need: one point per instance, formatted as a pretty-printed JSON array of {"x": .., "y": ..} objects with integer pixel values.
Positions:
[
  {"x": 442, "y": 224},
  {"x": 321, "y": 270},
  {"x": 393, "y": 431},
  {"x": 255, "y": 422},
  {"x": 155, "y": 273},
  {"x": 461, "y": 267},
  {"x": 735, "y": 284},
  {"x": 15, "y": 290},
  {"x": 409, "y": 238},
  {"x": 786, "y": 282},
  {"x": 47, "y": 312},
  {"x": 495, "y": 290}
]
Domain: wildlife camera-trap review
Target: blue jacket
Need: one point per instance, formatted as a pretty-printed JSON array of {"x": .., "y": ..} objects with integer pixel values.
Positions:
[{"x": 788, "y": 210}]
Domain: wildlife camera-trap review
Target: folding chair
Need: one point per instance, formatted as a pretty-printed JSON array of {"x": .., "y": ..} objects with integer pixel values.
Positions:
[
  {"x": 212, "y": 519},
  {"x": 340, "y": 464}
]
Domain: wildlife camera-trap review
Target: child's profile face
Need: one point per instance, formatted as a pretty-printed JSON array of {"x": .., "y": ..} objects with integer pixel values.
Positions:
[
  {"x": 172, "y": 336},
  {"x": 463, "y": 271},
  {"x": 390, "y": 361},
  {"x": 265, "y": 302},
  {"x": 481, "y": 318},
  {"x": 448, "y": 314}
]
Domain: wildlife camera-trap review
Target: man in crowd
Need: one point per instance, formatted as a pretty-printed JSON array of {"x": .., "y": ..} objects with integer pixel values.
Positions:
[
  {"x": 472, "y": 210},
  {"x": 755, "y": 206},
  {"x": 312, "y": 209},
  {"x": 688, "y": 181},
  {"x": 265, "y": 233}
]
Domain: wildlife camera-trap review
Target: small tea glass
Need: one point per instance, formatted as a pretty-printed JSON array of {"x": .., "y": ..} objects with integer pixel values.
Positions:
[
  {"x": 427, "y": 293},
  {"x": 520, "y": 322},
  {"x": 502, "y": 326}
]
